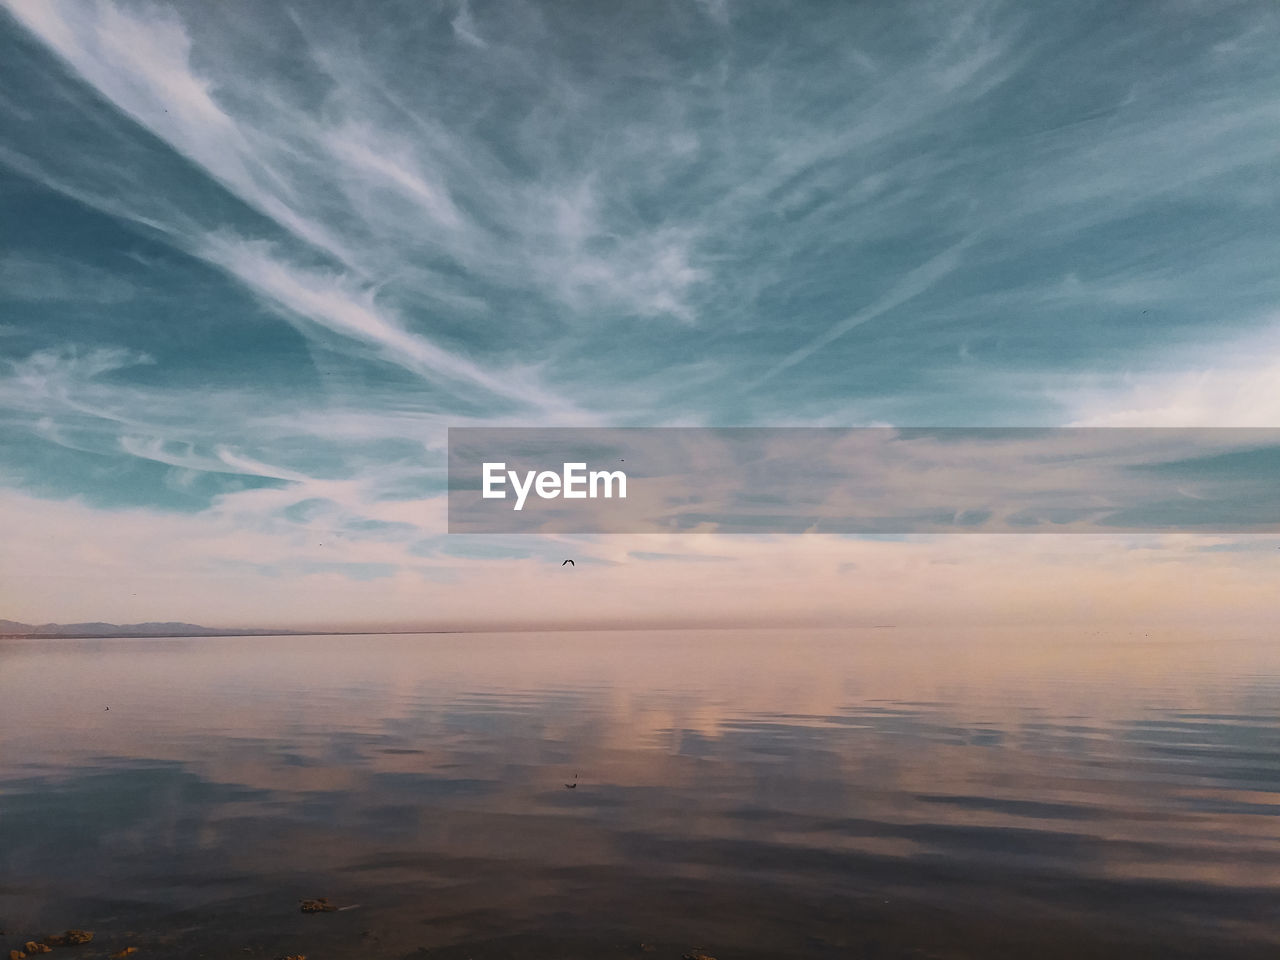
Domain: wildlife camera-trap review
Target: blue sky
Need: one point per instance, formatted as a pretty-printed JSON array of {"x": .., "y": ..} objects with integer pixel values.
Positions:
[{"x": 254, "y": 258}]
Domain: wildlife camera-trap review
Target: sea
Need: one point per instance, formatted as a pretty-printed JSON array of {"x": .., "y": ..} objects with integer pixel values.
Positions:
[{"x": 864, "y": 792}]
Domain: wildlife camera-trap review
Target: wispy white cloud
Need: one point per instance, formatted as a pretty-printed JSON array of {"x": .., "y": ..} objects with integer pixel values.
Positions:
[
  {"x": 464, "y": 25},
  {"x": 293, "y": 166},
  {"x": 329, "y": 299},
  {"x": 141, "y": 62},
  {"x": 65, "y": 382},
  {"x": 1228, "y": 385}
]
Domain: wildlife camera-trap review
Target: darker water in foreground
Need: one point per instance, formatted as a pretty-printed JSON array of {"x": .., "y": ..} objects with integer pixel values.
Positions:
[{"x": 858, "y": 793}]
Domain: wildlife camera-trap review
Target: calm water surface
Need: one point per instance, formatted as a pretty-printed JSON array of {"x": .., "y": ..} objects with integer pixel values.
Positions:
[{"x": 856, "y": 793}]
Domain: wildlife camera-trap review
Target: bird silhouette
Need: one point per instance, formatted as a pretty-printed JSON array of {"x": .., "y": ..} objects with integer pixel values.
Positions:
[
  {"x": 570, "y": 563},
  {"x": 574, "y": 785}
]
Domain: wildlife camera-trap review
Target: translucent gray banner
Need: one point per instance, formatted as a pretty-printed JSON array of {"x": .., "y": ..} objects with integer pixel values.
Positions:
[{"x": 863, "y": 480}]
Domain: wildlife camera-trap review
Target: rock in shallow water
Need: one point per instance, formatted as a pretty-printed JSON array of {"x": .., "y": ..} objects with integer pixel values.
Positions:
[{"x": 70, "y": 938}]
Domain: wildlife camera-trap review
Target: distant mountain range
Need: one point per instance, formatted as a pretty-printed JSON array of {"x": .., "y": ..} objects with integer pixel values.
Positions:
[{"x": 12, "y": 628}]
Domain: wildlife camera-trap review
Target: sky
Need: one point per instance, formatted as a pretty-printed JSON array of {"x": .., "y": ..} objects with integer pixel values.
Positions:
[{"x": 255, "y": 259}]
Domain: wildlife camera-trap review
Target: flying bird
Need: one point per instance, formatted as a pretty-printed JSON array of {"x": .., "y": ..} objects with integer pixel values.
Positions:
[
  {"x": 570, "y": 563},
  {"x": 574, "y": 785}
]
